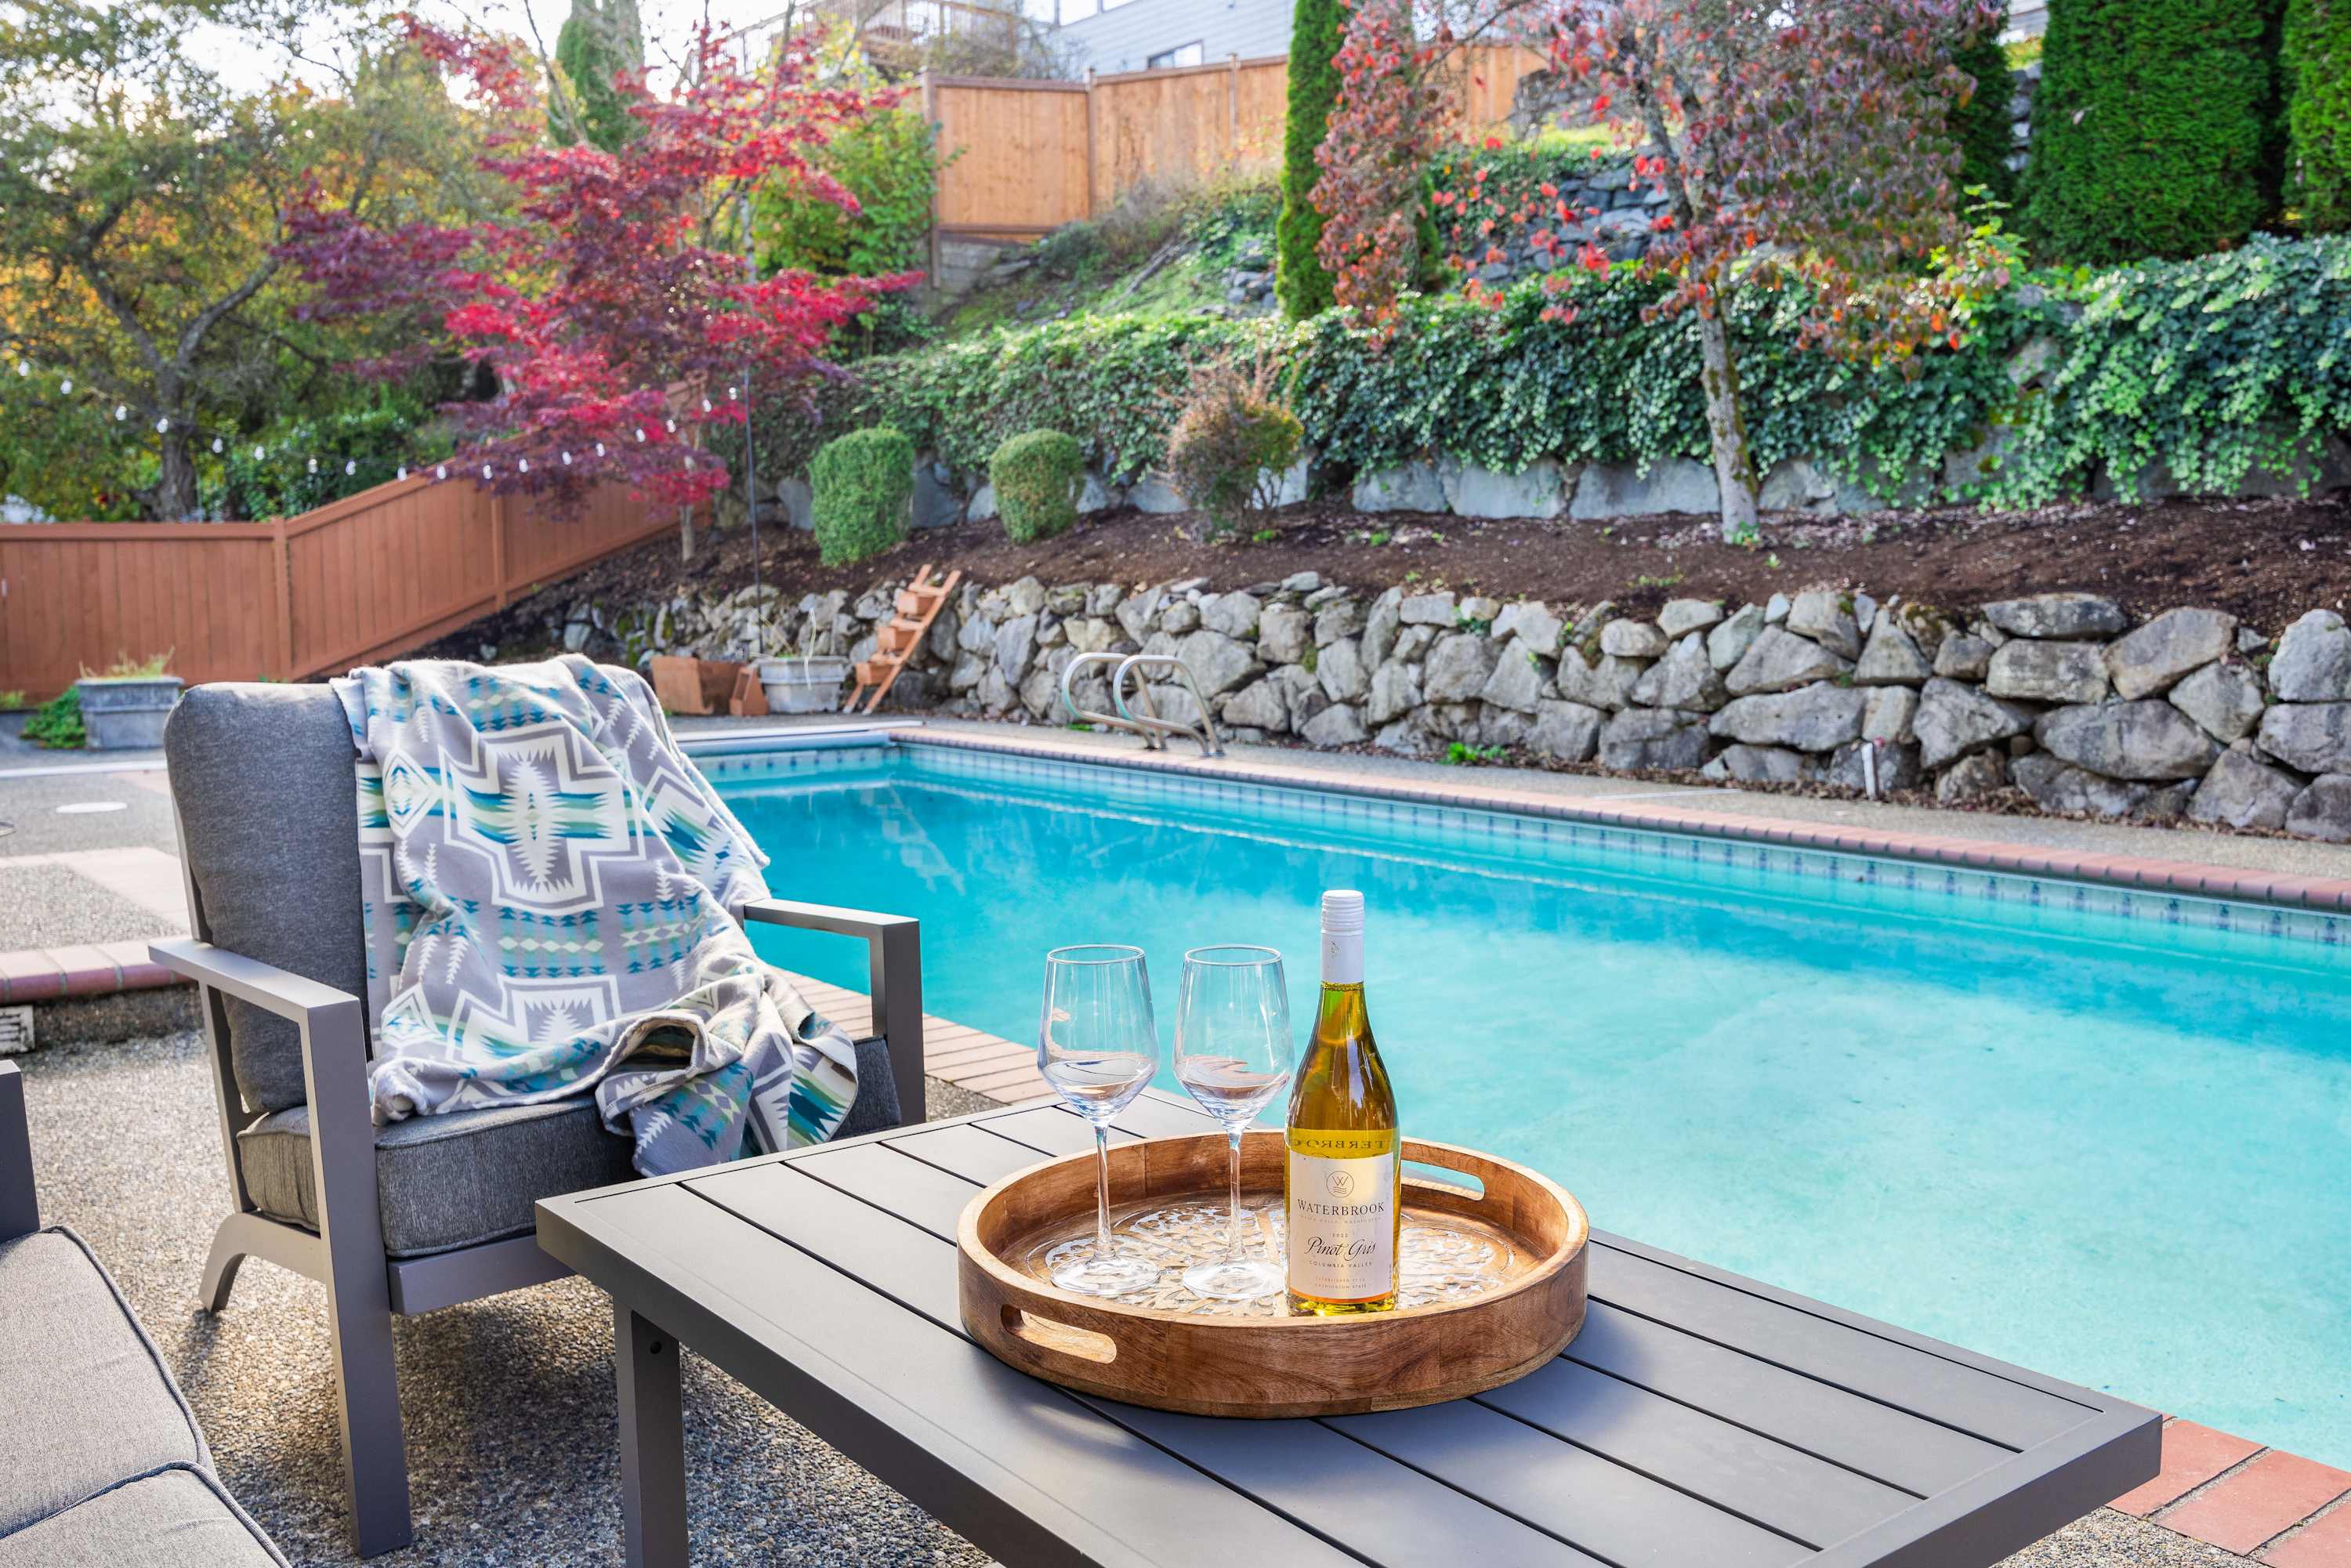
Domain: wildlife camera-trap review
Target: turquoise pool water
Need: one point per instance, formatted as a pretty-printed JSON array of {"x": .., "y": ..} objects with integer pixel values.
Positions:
[{"x": 2106, "y": 1136}]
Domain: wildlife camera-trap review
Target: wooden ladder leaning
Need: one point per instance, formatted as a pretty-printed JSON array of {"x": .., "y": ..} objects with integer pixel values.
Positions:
[{"x": 895, "y": 640}]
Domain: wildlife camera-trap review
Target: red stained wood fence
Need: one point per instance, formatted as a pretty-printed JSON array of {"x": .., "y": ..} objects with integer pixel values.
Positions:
[{"x": 363, "y": 579}]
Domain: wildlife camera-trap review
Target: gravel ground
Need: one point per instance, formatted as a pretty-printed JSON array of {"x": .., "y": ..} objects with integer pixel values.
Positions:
[{"x": 509, "y": 1405}]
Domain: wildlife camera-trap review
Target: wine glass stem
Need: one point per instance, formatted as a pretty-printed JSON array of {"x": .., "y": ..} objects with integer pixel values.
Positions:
[
  {"x": 1102, "y": 1190},
  {"x": 1233, "y": 1216}
]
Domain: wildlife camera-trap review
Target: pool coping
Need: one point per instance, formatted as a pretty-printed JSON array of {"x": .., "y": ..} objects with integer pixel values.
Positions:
[{"x": 2139, "y": 873}]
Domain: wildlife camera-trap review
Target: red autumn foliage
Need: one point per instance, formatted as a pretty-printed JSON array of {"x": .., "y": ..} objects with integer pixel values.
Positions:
[
  {"x": 1392, "y": 116},
  {"x": 616, "y": 327}
]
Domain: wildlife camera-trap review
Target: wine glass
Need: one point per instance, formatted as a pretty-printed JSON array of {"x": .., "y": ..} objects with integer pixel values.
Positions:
[
  {"x": 1233, "y": 1052},
  {"x": 1098, "y": 1045}
]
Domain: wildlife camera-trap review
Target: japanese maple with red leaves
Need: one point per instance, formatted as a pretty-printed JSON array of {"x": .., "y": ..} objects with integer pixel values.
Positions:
[{"x": 617, "y": 330}]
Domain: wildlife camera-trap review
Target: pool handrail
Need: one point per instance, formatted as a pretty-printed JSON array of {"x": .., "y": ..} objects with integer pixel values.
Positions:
[{"x": 1147, "y": 724}]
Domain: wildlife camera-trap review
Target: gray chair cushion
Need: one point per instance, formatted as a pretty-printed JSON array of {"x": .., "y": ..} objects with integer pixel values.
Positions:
[
  {"x": 443, "y": 1182},
  {"x": 176, "y": 1518},
  {"x": 269, "y": 823},
  {"x": 84, "y": 1398}
]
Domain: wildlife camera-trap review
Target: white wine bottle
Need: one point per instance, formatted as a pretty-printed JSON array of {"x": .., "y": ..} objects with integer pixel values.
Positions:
[{"x": 1343, "y": 1183}]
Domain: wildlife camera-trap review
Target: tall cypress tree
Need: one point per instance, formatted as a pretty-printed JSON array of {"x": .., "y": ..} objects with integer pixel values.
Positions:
[
  {"x": 595, "y": 41},
  {"x": 2318, "y": 113},
  {"x": 2155, "y": 130},
  {"x": 1299, "y": 281},
  {"x": 1984, "y": 125}
]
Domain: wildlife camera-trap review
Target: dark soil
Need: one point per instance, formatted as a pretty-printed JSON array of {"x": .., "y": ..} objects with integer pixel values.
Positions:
[{"x": 2267, "y": 561}]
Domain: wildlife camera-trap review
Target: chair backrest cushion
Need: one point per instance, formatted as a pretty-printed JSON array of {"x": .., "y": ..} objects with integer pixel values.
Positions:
[{"x": 269, "y": 823}]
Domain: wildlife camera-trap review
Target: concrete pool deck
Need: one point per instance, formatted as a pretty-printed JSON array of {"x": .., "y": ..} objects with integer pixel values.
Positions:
[{"x": 86, "y": 889}]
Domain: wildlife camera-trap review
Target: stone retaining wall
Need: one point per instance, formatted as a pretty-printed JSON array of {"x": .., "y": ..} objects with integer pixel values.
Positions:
[{"x": 2189, "y": 714}]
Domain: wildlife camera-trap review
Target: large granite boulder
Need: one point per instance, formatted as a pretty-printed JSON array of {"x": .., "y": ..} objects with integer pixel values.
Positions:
[
  {"x": 1381, "y": 624},
  {"x": 2313, "y": 736},
  {"x": 1568, "y": 731},
  {"x": 1456, "y": 667},
  {"x": 1654, "y": 737},
  {"x": 1016, "y": 643},
  {"x": 1964, "y": 657},
  {"x": 1779, "y": 661},
  {"x": 1682, "y": 616},
  {"x": 1972, "y": 778},
  {"x": 1622, "y": 490},
  {"x": 1340, "y": 668},
  {"x": 2146, "y": 739},
  {"x": 1684, "y": 678},
  {"x": 1608, "y": 684},
  {"x": 1440, "y": 608},
  {"x": 2241, "y": 790},
  {"x": 1827, "y": 619},
  {"x": 1747, "y": 764},
  {"x": 1408, "y": 488},
  {"x": 1337, "y": 618},
  {"x": 2068, "y": 791},
  {"x": 2058, "y": 615},
  {"x": 1531, "y": 621},
  {"x": 1518, "y": 677},
  {"x": 1953, "y": 720},
  {"x": 1539, "y": 490},
  {"x": 1728, "y": 643},
  {"x": 1263, "y": 704},
  {"x": 1218, "y": 663},
  {"x": 2323, "y": 810},
  {"x": 1341, "y": 724},
  {"x": 2224, "y": 697},
  {"x": 1818, "y": 717},
  {"x": 1630, "y": 638},
  {"x": 1395, "y": 692},
  {"x": 1895, "y": 767},
  {"x": 1890, "y": 716},
  {"x": 1892, "y": 657},
  {"x": 1234, "y": 614},
  {"x": 2152, "y": 659},
  {"x": 2048, "y": 672},
  {"x": 1284, "y": 633},
  {"x": 2313, "y": 663}
]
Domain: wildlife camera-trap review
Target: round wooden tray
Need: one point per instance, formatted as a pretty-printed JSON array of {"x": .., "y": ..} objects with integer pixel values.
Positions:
[{"x": 1503, "y": 1255}]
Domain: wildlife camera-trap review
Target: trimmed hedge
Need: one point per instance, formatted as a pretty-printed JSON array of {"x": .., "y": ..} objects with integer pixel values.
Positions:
[
  {"x": 2155, "y": 132},
  {"x": 1038, "y": 477},
  {"x": 1299, "y": 281},
  {"x": 864, "y": 493},
  {"x": 2202, "y": 367},
  {"x": 2318, "y": 116}
]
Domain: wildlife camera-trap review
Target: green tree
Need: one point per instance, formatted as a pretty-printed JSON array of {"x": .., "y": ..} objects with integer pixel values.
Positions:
[
  {"x": 2155, "y": 132},
  {"x": 596, "y": 41},
  {"x": 2318, "y": 114},
  {"x": 1299, "y": 280},
  {"x": 1984, "y": 126},
  {"x": 145, "y": 190}
]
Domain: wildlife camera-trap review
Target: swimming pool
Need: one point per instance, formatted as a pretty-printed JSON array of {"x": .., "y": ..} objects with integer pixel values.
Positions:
[{"x": 2105, "y": 1135}]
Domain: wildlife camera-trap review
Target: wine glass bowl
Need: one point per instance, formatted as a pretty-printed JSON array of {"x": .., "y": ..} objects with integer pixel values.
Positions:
[
  {"x": 1234, "y": 1054},
  {"x": 1097, "y": 1048}
]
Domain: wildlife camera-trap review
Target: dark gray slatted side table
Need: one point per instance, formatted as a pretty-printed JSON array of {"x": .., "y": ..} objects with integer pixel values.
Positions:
[{"x": 1700, "y": 1420}]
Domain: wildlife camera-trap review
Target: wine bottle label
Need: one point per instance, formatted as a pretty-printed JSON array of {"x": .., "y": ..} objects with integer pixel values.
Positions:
[{"x": 1342, "y": 1214}]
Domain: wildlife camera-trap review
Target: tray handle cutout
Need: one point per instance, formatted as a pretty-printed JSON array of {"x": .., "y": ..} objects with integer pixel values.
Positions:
[
  {"x": 1061, "y": 1339},
  {"x": 1468, "y": 1184}
]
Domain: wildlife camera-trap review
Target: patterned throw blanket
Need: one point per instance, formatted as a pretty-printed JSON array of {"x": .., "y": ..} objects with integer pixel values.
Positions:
[{"x": 552, "y": 891}]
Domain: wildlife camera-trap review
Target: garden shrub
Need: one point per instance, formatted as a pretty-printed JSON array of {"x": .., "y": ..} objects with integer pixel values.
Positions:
[
  {"x": 1299, "y": 281},
  {"x": 2318, "y": 114},
  {"x": 2155, "y": 130},
  {"x": 302, "y": 461},
  {"x": 863, "y": 486},
  {"x": 1984, "y": 126},
  {"x": 1232, "y": 443},
  {"x": 1038, "y": 476},
  {"x": 56, "y": 723}
]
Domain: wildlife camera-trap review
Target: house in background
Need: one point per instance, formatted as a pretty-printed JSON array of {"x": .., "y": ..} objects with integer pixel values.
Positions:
[{"x": 1108, "y": 35}]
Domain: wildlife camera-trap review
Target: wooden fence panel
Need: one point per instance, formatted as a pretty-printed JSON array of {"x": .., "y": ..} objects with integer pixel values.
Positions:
[
  {"x": 364, "y": 578},
  {"x": 1028, "y": 157},
  {"x": 86, "y": 593},
  {"x": 1019, "y": 155}
]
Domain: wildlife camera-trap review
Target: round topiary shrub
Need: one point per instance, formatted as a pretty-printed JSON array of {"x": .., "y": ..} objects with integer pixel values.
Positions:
[
  {"x": 863, "y": 486},
  {"x": 1039, "y": 476}
]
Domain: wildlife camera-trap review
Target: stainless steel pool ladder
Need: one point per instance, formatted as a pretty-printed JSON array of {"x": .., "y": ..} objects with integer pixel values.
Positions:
[{"x": 1147, "y": 724}]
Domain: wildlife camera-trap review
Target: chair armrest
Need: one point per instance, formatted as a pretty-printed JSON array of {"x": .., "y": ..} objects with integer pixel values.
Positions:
[
  {"x": 20, "y": 1203},
  {"x": 893, "y": 971},
  {"x": 334, "y": 1081}
]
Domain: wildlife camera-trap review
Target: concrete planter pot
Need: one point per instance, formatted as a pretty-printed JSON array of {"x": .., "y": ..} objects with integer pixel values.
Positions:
[
  {"x": 803, "y": 685},
  {"x": 126, "y": 715}
]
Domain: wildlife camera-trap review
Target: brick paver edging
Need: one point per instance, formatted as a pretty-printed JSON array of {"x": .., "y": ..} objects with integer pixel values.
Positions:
[
  {"x": 90, "y": 969},
  {"x": 2139, "y": 871}
]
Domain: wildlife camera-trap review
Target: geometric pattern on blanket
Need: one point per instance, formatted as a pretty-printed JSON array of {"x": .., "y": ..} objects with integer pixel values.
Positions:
[{"x": 552, "y": 892}]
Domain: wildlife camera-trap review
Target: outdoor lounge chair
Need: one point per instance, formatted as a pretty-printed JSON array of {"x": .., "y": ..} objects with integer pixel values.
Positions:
[{"x": 423, "y": 1213}]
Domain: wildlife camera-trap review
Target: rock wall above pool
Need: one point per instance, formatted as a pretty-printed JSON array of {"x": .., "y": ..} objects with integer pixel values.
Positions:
[{"x": 2061, "y": 701}]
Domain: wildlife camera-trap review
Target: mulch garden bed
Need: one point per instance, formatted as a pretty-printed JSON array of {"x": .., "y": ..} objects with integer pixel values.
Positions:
[{"x": 2266, "y": 562}]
